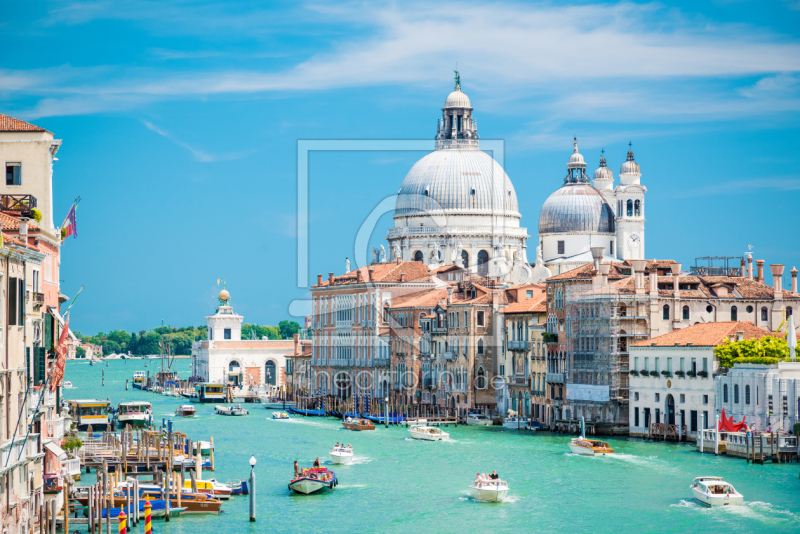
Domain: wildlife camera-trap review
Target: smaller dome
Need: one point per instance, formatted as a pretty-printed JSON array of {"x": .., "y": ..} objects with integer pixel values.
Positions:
[
  {"x": 603, "y": 172},
  {"x": 457, "y": 99},
  {"x": 224, "y": 295},
  {"x": 630, "y": 166}
]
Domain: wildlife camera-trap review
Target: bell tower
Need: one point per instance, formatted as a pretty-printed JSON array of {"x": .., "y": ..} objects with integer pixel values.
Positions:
[{"x": 630, "y": 210}]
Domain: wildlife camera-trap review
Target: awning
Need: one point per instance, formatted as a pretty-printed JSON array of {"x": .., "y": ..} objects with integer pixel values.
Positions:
[{"x": 56, "y": 450}]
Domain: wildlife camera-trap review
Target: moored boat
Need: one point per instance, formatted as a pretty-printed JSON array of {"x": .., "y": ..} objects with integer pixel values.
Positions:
[
  {"x": 714, "y": 491},
  {"x": 515, "y": 422},
  {"x": 90, "y": 413},
  {"x": 280, "y": 415},
  {"x": 478, "y": 419},
  {"x": 358, "y": 424},
  {"x": 230, "y": 410},
  {"x": 342, "y": 455},
  {"x": 314, "y": 480},
  {"x": 488, "y": 490},
  {"x": 186, "y": 410},
  {"x": 216, "y": 489},
  {"x": 428, "y": 433},
  {"x": 134, "y": 414},
  {"x": 139, "y": 378}
]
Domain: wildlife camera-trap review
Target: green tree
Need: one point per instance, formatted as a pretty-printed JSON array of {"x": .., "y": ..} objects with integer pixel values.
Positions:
[
  {"x": 80, "y": 352},
  {"x": 121, "y": 337},
  {"x": 288, "y": 329},
  {"x": 110, "y": 347},
  {"x": 768, "y": 350},
  {"x": 148, "y": 344}
]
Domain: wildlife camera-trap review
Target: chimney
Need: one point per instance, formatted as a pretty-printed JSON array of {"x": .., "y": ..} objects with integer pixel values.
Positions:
[
  {"x": 794, "y": 279},
  {"x": 319, "y": 279},
  {"x": 402, "y": 276},
  {"x": 676, "y": 272},
  {"x": 597, "y": 256},
  {"x": 398, "y": 260},
  {"x": 760, "y": 267},
  {"x": 370, "y": 273},
  {"x": 638, "y": 274},
  {"x": 296, "y": 343},
  {"x": 749, "y": 266},
  {"x": 777, "y": 279},
  {"x": 743, "y": 269},
  {"x": 359, "y": 276},
  {"x": 604, "y": 268},
  {"x": 330, "y": 278},
  {"x": 23, "y": 229},
  {"x": 449, "y": 294}
]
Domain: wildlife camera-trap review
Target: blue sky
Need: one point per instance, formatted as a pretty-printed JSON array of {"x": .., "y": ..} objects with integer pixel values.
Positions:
[{"x": 181, "y": 121}]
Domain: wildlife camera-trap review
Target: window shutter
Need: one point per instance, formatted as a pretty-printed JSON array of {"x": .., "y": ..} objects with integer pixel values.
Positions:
[
  {"x": 21, "y": 301},
  {"x": 12, "y": 301},
  {"x": 48, "y": 330},
  {"x": 41, "y": 365}
]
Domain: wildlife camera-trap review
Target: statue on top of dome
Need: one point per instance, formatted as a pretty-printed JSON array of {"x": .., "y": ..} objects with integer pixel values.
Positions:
[{"x": 458, "y": 80}]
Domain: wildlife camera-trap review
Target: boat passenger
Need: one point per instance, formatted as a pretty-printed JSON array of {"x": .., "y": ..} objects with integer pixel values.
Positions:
[
  {"x": 296, "y": 469},
  {"x": 478, "y": 480},
  {"x": 494, "y": 476},
  {"x": 316, "y": 462}
]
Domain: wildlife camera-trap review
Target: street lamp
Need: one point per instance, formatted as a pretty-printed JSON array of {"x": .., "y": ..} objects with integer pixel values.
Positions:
[
  {"x": 386, "y": 409},
  {"x": 252, "y": 488}
]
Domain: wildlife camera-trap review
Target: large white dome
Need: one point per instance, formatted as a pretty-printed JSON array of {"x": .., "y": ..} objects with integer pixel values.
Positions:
[{"x": 457, "y": 180}]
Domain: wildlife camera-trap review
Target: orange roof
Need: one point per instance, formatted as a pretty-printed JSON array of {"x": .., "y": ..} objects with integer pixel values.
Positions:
[
  {"x": 10, "y": 222},
  {"x": 425, "y": 299},
  {"x": 412, "y": 271},
  {"x": 537, "y": 304},
  {"x": 10, "y": 124},
  {"x": 705, "y": 335}
]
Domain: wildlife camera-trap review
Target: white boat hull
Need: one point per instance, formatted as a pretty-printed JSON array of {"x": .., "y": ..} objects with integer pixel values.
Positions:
[
  {"x": 343, "y": 458},
  {"x": 514, "y": 425},
  {"x": 490, "y": 494},
  {"x": 307, "y": 486},
  {"x": 585, "y": 451},
  {"x": 133, "y": 420},
  {"x": 479, "y": 422},
  {"x": 717, "y": 500},
  {"x": 427, "y": 436}
]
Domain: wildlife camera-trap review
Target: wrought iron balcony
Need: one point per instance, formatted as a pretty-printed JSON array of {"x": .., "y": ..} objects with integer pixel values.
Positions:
[
  {"x": 519, "y": 345},
  {"x": 23, "y": 204}
]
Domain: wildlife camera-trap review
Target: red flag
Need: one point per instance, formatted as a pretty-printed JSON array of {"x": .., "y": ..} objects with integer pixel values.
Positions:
[{"x": 61, "y": 357}]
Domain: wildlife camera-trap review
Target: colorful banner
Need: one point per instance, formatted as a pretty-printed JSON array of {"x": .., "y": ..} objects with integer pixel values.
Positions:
[{"x": 61, "y": 356}]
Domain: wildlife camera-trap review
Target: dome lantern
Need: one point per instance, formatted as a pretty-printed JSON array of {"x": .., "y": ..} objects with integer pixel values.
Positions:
[
  {"x": 603, "y": 177},
  {"x": 457, "y": 128},
  {"x": 576, "y": 168}
]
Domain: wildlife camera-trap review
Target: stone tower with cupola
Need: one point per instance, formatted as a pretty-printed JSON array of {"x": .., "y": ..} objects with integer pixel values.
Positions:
[
  {"x": 630, "y": 211},
  {"x": 224, "y": 325}
]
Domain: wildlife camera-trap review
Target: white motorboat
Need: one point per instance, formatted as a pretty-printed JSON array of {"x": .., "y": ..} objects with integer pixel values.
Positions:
[
  {"x": 230, "y": 410},
  {"x": 589, "y": 447},
  {"x": 313, "y": 480},
  {"x": 428, "y": 433},
  {"x": 488, "y": 490},
  {"x": 67, "y": 385},
  {"x": 280, "y": 415},
  {"x": 478, "y": 419},
  {"x": 186, "y": 410},
  {"x": 515, "y": 422},
  {"x": 342, "y": 455},
  {"x": 714, "y": 491}
]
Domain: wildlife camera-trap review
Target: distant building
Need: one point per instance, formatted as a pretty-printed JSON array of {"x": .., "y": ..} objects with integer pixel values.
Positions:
[
  {"x": 227, "y": 358},
  {"x": 672, "y": 378},
  {"x": 298, "y": 367}
]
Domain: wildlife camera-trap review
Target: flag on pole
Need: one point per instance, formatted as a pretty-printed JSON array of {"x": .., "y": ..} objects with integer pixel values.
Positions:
[
  {"x": 70, "y": 225},
  {"x": 61, "y": 356}
]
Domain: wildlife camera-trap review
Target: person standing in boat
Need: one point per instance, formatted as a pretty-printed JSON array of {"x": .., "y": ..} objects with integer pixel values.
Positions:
[
  {"x": 316, "y": 462},
  {"x": 494, "y": 476},
  {"x": 296, "y": 469}
]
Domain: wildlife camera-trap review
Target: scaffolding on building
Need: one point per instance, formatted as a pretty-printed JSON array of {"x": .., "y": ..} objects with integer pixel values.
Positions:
[{"x": 592, "y": 331}]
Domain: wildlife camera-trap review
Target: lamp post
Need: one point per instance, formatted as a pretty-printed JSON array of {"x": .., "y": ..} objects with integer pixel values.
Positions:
[
  {"x": 252, "y": 488},
  {"x": 386, "y": 409}
]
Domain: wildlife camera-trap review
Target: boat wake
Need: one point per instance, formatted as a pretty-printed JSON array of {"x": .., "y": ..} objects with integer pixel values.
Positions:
[
  {"x": 361, "y": 460},
  {"x": 755, "y": 510}
]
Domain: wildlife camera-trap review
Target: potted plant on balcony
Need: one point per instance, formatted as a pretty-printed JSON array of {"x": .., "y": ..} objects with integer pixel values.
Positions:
[
  {"x": 644, "y": 372},
  {"x": 666, "y": 374},
  {"x": 702, "y": 374},
  {"x": 691, "y": 374},
  {"x": 680, "y": 373},
  {"x": 37, "y": 215},
  {"x": 653, "y": 373}
]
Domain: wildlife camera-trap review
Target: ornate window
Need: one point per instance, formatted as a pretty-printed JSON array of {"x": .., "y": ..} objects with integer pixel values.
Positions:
[
  {"x": 480, "y": 346},
  {"x": 480, "y": 381},
  {"x": 636, "y": 208},
  {"x": 483, "y": 262},
  {"x": 465, "y": 259}
]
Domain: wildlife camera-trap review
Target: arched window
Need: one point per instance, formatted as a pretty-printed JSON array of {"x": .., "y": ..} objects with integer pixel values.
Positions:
[
  {"x": 686, "y": 313},
  {"x": 630, "y": 208},
  {"x": 234, "y": 367},
  {"x": 665, "y": 312},
  {"x": 480, "y": 346},
  {"x": 483, "y": 262},
  {"x": 747, "y": 395},
  {"x": 480, "y": 381},
  {"x": 736, "y": 393},
  {"x": 465, "y": 259},
  {"x": 419, "y": 256},
  {"x": 764, "y": 314},
  {"x": 270, "y": 374},
  {"x": 734, "y": 314},
  {"x": 724, "y": 392},
  {"x": 636, "y": 208},
  {"x": 788, "y": 311}
]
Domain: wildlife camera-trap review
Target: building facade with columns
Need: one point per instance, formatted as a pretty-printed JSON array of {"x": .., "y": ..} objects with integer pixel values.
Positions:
[{"x": 458, "y": 206}]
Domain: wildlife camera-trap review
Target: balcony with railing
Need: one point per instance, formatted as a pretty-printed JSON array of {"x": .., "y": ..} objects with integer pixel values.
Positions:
[
  {"x": 428, "y": 382},
  {"x": 22, "y": 204},
  {"x": 397, "y": 387},
  {"x": 380, "y": 362},
  {"x": 53, "y": 484},
  {"x": 519, "y": 345},
  {"x": 557, "y": 378}
]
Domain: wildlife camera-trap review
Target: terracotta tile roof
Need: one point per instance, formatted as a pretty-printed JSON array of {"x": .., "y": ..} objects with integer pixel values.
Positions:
[
  {"x": 11, "y": 223},
  {"x": 413, "y": 271},
  {"x": 425, "y": 299},
  {"x": 615, "y": 271},
  {"x": 532, "y": 305},
  {"x": 10, "y": 124},
  {"x": 705, "y": 335}
]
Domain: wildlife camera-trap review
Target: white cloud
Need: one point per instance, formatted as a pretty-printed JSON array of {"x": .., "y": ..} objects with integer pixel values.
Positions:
[{"x": 199, "y": 155}]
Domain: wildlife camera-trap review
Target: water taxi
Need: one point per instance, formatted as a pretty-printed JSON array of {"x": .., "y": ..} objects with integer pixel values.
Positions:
[
  {"x": 230, "y": 410},
  {"x": 714, "y": 491},
  {"x": 342, "y": 455},
  {"x": 427, "y": 433},
  {"x": 134, "y": 414},
  {"x": 313, "y": 480},
  {"x": 478, "y": 419},
  {"x": 280, "y": 415},
  {"x": 589, "y": 447},
  {"x": 139, "y": 378},
  {"x": 358, "y": 424},
  {"x": 490, "y": 490},
  {"x": 208, "y": 392},
  {"x": 186, "y": 410},
  {"x": 90, "y": 413}
]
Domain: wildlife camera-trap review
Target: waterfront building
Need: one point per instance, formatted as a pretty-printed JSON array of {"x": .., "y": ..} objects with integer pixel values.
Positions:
[
  {"x": 768, "y": 396},
  {"x": 672, "y": 378},
  {"x": 458, "y": 206},
  {"x": 597, "y": 310},
  {"x": 227, "y": 358},
  {"x": 523, "y": 354},
  {"x": 298, "y": 367},
  {"x": 579, "y": 216}
]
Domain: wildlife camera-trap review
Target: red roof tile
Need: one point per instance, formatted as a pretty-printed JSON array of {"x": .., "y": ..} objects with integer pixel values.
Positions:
[
  {"x": 10, "y": 124},
  {"x": 705, "y": 335}
]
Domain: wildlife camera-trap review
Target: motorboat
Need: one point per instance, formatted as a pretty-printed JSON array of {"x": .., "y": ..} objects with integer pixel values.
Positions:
[
  {"x": 280, "y": 415},
  {"x": 428, "y": 433},
  {"x": 714, "y": 491},
  {"x": 194, "y": 503},
  {"x": 589, "y": 447},
  {"x": 135, "y": 414},
  {"x": 230, "y": 410},
  {"x": 90, "y": 413},
  {"x": 158, "y": 509},
  {"x": 139, "y": 380},
  {"x": 67, "y": 385},
  {"x": 515, "y": 422},
  {"x": 216, "y": 489},
  {"x": 358, "y": 424},
  {"x": 238, "y": 487},
  {"x": 186, "y": 410},
  {"x": 488, "y": 490},
  {"x": 342, "y": 455},
  {"x": 313, "y": 480},
  {"x": 478, "y": 419}
]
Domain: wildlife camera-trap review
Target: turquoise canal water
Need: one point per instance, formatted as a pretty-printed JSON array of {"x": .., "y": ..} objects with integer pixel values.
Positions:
[{"x": 399, "y": 485}]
